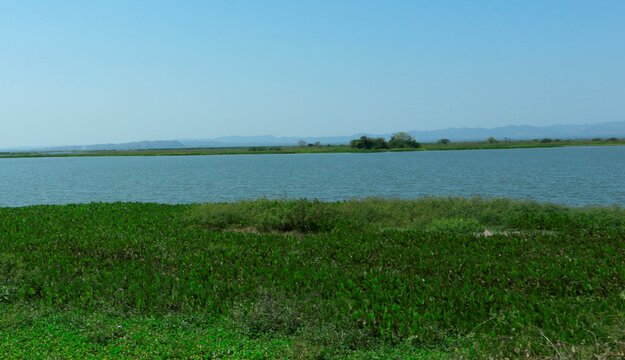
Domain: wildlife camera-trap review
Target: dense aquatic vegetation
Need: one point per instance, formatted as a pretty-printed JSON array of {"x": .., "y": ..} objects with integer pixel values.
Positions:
[{"x": 372, "y": 278}]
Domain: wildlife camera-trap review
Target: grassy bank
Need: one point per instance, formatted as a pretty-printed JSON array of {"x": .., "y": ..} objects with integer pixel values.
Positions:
[
  {"x": 474, "y": 145},
  {"x": 434, "y": 277}
]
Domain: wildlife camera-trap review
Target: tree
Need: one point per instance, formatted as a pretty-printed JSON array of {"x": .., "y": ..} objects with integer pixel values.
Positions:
[
  {"x": 363, "y": 143},
  {"x": 380, "y": 143},
  {"x": 491, "y": 140},
  {"x": 301, "y": 143},
  {"x": 402, "y": 140},
  {"x": 443, "y": 141},
  {"x": 368, "y": 143}
]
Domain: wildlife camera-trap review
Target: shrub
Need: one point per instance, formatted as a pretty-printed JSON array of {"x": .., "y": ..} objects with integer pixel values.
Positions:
[{"x": 300, "y": 215}]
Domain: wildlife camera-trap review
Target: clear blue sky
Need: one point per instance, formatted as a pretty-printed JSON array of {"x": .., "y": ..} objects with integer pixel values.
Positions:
[{"x": 82, "y": 72}]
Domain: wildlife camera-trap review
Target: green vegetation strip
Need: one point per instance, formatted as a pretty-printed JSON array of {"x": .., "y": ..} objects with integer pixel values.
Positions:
[
  {"x": 443, "y": 144},
  {"x": 374, "y": 278}
]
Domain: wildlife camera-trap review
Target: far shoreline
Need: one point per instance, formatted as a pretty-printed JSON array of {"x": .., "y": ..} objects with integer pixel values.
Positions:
[{"x": 319, "y": 149}]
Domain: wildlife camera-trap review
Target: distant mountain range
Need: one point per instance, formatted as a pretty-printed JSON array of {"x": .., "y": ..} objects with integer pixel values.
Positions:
[
  {"x": 513, "y": 132},
  {"x": 136, "y": 145}
]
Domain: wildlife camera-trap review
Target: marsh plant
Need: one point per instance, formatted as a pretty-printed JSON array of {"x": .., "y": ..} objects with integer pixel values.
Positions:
[{"x": 383, "y": 278}]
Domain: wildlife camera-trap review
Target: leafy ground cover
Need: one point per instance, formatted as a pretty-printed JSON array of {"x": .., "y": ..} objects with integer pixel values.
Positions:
[{"x": 373, "y": 278}]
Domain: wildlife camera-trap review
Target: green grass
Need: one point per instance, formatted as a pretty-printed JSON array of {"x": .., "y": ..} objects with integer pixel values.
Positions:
[
  {"x": 472, "y": 145},
  {"x": 369, "y": 278}
]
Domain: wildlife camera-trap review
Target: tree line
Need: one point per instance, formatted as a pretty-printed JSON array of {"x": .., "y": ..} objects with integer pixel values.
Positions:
[{"x": 400, "y": 140}]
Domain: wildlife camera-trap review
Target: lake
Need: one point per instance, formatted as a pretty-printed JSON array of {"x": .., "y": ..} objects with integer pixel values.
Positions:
[{"x": 571, "y": 176}]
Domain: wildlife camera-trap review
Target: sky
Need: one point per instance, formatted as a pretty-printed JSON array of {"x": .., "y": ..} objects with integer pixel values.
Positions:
[{"x": 85, "y": 72}]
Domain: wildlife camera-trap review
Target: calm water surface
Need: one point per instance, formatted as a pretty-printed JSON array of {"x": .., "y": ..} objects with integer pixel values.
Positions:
[{"x": 572, "y": 176}]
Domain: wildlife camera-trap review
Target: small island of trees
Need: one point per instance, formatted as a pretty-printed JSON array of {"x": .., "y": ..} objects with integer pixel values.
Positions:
[{"x": 400, "y": 140}]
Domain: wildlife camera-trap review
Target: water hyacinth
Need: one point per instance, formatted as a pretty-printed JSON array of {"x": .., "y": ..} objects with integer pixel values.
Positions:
[{"x": 304, "y": 278}]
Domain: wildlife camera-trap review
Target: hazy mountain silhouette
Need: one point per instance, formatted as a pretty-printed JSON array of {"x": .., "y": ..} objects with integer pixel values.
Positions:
[
  {"x": 135, "y": 145},
  {"x": 513, "y": 132}
]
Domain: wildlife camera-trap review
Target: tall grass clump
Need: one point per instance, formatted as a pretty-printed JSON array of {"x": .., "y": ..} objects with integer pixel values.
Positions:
[{"x": 466, "y": 214}]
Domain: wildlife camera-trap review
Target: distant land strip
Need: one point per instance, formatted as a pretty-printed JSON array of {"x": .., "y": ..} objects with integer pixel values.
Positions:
[{"x": 322, "y": 148}]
